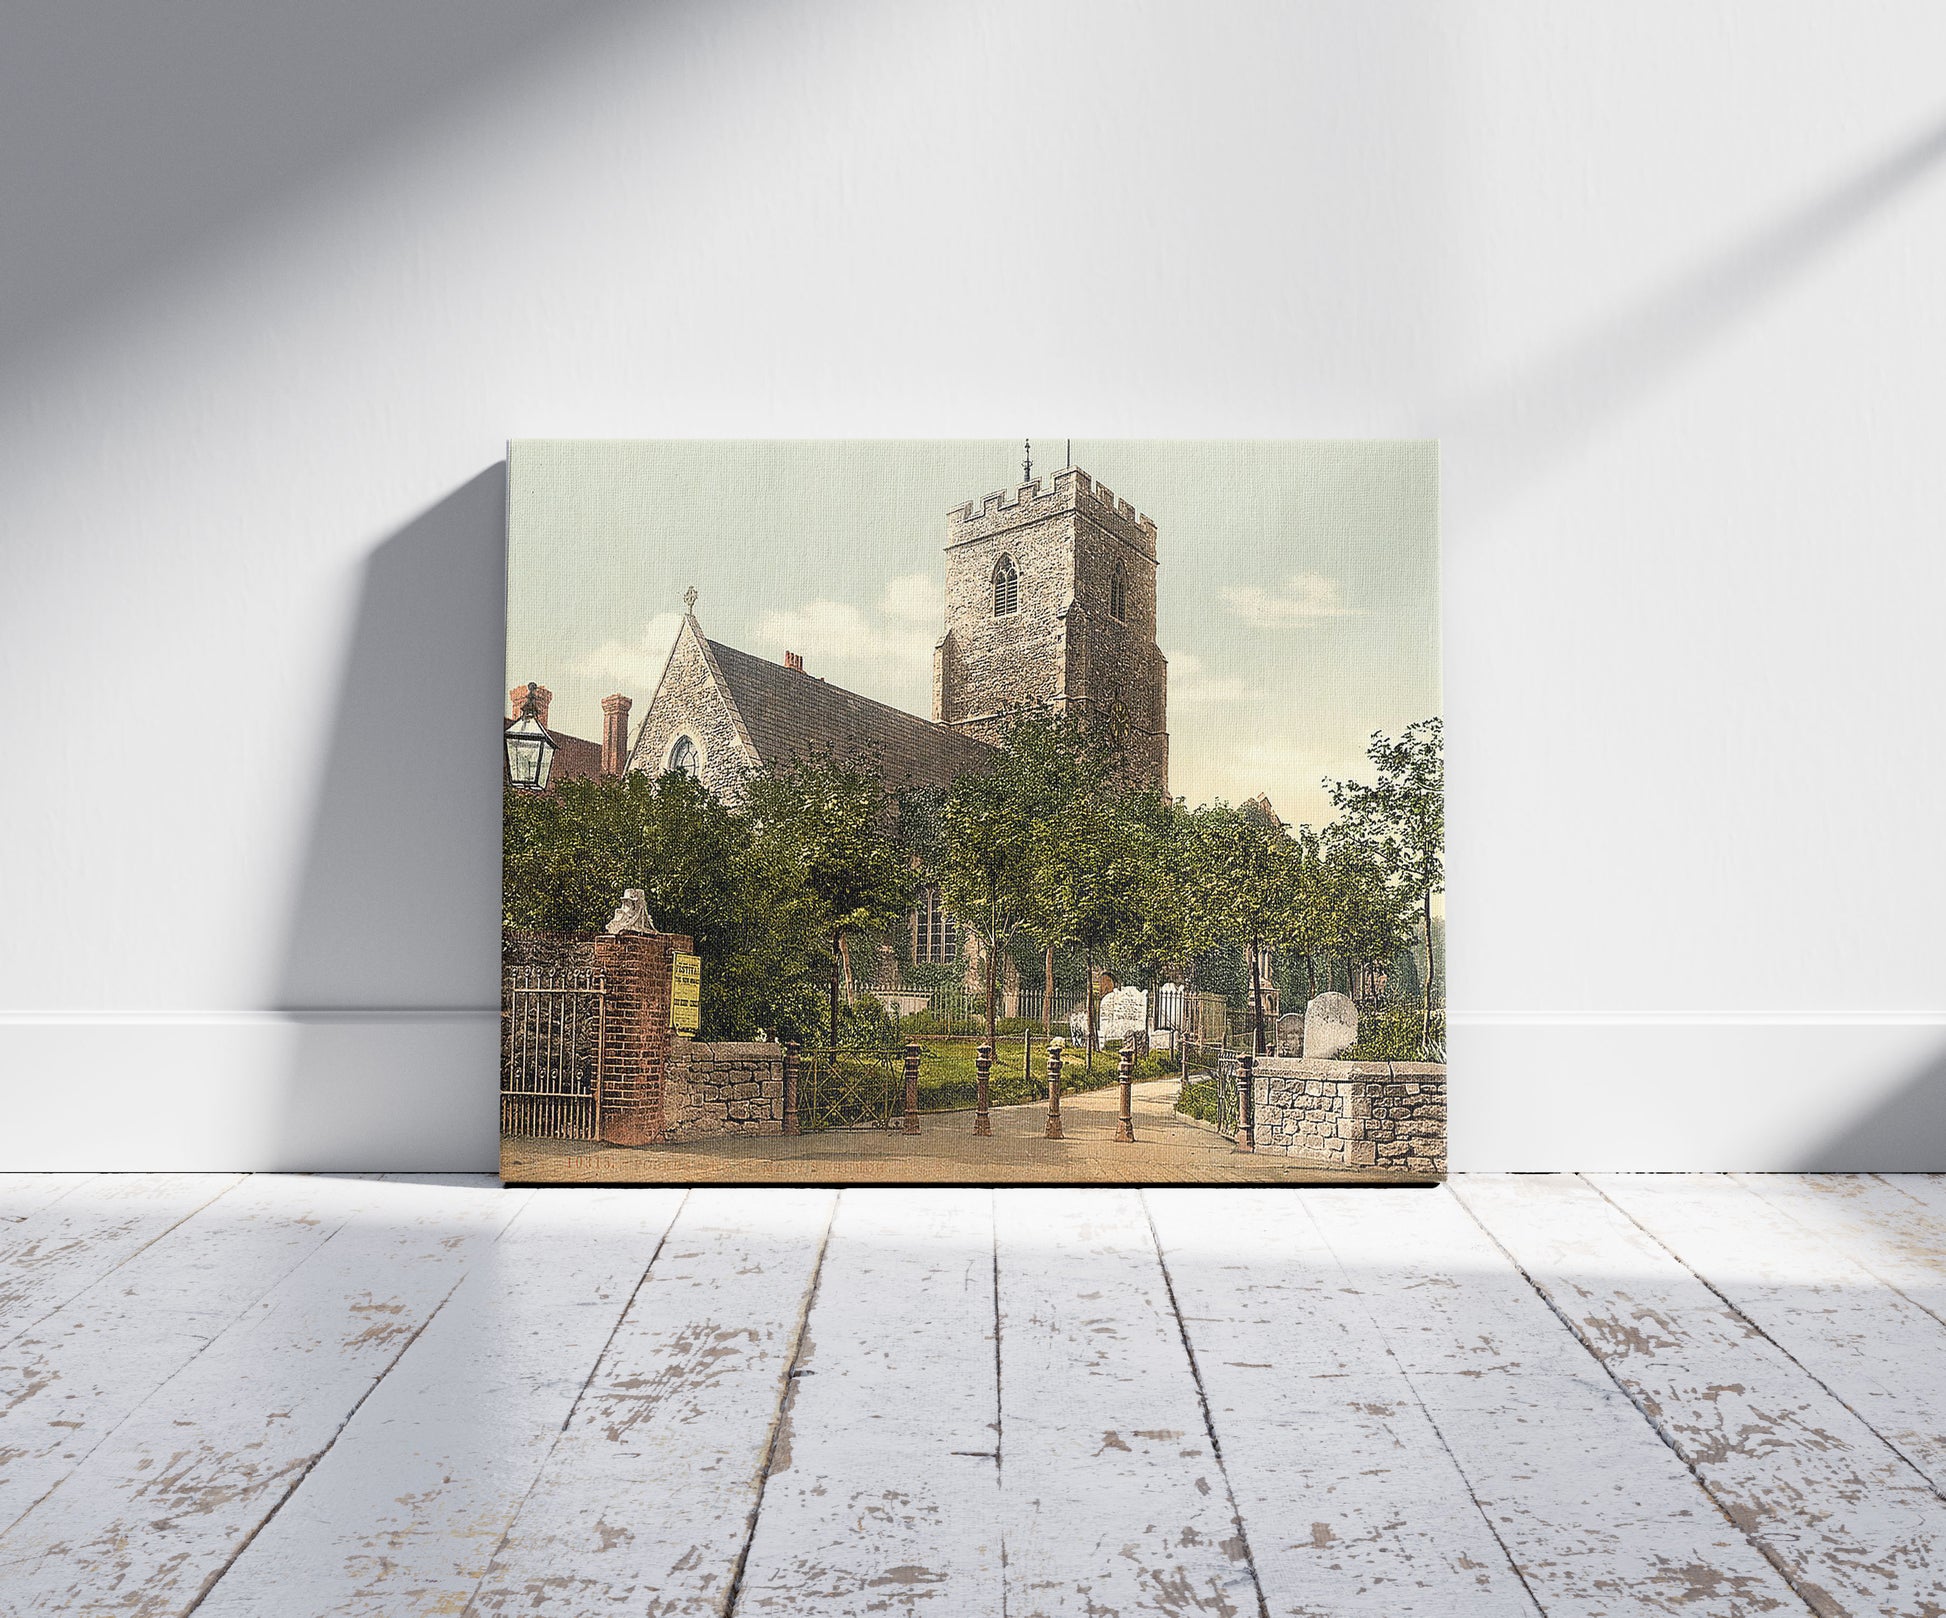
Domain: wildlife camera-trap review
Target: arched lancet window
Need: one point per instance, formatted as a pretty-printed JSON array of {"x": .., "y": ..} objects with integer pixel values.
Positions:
[
  {"x": 683, "y": 757},
  {"x": 1006, "y": 587},
  {"x": 1117, "y": 594}
]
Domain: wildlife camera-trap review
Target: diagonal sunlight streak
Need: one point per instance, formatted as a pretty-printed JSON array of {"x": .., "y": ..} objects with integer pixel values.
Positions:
[{"x": 1520, "y": 427}]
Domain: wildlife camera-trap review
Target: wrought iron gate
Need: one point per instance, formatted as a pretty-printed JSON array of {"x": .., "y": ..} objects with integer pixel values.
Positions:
[
  {"x": 553, "y": 1043},
  {"x": 850, "y": 1089}
]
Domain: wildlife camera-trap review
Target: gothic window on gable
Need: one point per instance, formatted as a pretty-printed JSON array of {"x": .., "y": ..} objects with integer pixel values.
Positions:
[
  {"x": 1118, "y": 594},
  {"x": 683, "y": 757},
  {"x": 935, "y": 935},
  {"x": 1006, "y": 587}
]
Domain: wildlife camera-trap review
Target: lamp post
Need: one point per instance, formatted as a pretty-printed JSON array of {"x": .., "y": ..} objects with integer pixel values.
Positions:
[{"x": 530, "y": 750}]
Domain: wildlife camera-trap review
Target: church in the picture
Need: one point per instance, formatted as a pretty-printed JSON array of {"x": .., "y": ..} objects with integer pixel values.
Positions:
[{"x": 1050, "y": 605}]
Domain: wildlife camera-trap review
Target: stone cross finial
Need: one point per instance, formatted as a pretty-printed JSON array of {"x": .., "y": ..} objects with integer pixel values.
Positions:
[
  {"x": 632, "y": 914},
  {"x": 689, "y": 601}
]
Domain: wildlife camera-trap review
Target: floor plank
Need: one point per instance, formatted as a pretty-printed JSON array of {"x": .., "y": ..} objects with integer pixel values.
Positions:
[
  {"x": 72, "y": 1378},
  {"x": 1351, "y": 1503},
  {"x": 67, "y": 1244},
  {"x": 22, "y": 1194},
  {"x": 1875, "y": 1350},
  {"x": 645, "y": 1504},
  {"x": 404, "y": 1512},
  {"x": 155, "y": 1513},
  {"x": 1853, "y": 1525},
  {"x": 1112, "y": 1497},
  {"x": 1893, "y": 1224},
  {"x": 1597, "y": 1513},
  {"x": 884, "y": 1494}
]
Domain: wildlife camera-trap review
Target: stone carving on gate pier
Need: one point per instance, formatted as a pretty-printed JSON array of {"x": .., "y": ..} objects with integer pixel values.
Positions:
[{"x": 631, "y": 915}]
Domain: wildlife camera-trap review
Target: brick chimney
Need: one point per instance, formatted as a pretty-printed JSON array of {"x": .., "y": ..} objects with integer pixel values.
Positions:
[
  {"x": 614, "y": 734},
  {"x": 794, "y": 660},
  {"x": 542, "y": 697}
]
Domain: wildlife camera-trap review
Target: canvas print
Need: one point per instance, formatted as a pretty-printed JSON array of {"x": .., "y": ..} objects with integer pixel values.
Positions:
[{"x": 1047, "y": 811}]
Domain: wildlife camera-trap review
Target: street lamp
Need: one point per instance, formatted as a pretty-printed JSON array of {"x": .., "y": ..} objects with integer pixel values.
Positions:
[{"x": 530, "y": 750}]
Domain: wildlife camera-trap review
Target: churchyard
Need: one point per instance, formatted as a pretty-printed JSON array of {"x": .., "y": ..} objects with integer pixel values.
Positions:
[{"x": 1131, "y": 922}]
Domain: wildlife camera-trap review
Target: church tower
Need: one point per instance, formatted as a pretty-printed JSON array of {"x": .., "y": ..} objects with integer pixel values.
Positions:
[{"x": 1050, "y": 603}]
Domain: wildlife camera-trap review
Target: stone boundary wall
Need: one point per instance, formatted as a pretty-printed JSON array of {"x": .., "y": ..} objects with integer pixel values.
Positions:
[
  {"x": 724, "y": 1088},
  {"x": 1352, "y": 1115}
]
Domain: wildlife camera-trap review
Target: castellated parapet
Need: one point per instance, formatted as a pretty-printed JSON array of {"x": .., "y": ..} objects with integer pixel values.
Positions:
[{"x": 1072, "y": 491}]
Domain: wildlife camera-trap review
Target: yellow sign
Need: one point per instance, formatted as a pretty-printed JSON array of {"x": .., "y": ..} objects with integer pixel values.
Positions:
[{"x": 686, "y": 993}]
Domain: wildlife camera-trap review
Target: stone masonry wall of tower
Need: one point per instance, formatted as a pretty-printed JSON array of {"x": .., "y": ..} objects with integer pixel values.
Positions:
[{"x": 1063, "y": 649}]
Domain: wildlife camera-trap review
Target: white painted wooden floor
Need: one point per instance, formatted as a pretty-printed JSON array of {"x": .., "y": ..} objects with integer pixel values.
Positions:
[{"x": 1564, "y": 1395}]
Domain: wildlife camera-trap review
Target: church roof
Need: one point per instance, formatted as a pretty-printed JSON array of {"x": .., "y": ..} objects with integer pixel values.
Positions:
[{"x": 788, "y": 712}]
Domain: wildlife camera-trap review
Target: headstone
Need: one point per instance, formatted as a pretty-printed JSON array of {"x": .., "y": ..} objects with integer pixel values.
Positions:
[
  {"x": 1290, "y": 1034},
  {"x": 1330, "y": 1026},
  {"x": 1123, "y": 1012},
  {"x": 631, "y": 915}
]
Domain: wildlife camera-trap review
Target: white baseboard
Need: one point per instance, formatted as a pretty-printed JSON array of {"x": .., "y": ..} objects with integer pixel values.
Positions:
[
  {"x": 378, "y": 1090},
  {"x": 1836, "y": 1091},
  {"x": 249, "y": 1090}
]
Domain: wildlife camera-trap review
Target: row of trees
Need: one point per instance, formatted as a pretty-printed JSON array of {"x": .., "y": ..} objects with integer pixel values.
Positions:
[{"x": 1054, "y": 845}]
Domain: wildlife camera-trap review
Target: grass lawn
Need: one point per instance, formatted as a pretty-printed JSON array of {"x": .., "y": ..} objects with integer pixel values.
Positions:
[{"x": 947, "y": 1078}]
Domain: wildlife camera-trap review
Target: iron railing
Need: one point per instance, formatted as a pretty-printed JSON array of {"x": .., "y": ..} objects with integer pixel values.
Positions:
[
  {"x": 849, "y": 1088},
  {"x": 553, "y": 1045}
]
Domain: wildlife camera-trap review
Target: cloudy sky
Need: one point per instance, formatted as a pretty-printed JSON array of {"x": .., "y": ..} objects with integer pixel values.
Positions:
[{"x": 1299, "y": 585}]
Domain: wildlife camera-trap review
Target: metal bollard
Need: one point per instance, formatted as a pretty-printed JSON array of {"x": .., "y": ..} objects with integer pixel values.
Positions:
[
  {"x": 790, "y": 1088},
  {"x": 1053, "y": 1090},
  {"x": 1246, "y": 1103},
  {"x": 911, "y": 1123},
  {"x": 1125, "y": 1125},
  {"x": 982, "y": 1114}
]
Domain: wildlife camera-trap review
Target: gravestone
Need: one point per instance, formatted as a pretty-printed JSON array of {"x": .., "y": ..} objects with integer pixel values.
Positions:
[
  {"x": 1290, "y": 1034},
  {"x": 1123, "y": 1012},
  {"x": 1330, "y": 1026}
]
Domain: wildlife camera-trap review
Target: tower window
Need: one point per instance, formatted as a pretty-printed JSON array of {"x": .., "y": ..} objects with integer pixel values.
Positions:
[
  {"x": 1117, "y": 594},
  {"x": 682, "y": 756},
  {"x": 1006, "y": 587},
  {"x": 935, "y": 935}
]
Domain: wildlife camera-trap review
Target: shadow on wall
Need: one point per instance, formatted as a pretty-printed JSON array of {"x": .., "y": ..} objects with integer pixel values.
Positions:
[
  {"x": 1904, "y": 1134},
  {"x": 1548, "y": 410},
  {"x": 391, "y": 965},
  {"x": 131, "y": 147}
]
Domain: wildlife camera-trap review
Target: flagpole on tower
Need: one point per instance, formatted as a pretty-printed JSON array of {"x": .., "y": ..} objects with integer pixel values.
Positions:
[{"x": 1027, "y": 462}]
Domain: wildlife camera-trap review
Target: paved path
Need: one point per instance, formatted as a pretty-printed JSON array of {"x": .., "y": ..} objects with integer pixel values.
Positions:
[{"x": 1168, "y": 1149}]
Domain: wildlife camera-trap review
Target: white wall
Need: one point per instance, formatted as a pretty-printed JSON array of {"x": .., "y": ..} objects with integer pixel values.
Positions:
[{"x": 279, "y": 281}]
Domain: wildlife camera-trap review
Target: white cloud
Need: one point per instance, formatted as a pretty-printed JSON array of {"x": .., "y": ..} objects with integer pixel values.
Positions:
[
  {"x": 1303, "y": 598},
  {"x": 634, "y": 668},
  {"x": 1191, "y": 685},
  {"x": 835, "y": 633},
  {"x": 912, "y": 598}
]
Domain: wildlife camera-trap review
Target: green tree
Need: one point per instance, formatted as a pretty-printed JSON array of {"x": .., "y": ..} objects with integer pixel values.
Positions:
[
  {"x": 1045, "y": 765},
  {"x": 1244, "y": 881},
  {"x": 1306, "y": 921},
  {"x": 1166, "y": 929},
  {"x": 1366, "y": 913},
  {"x": 1402, "y": 816},
  {"x": 1092, "y": 858},
  {"x": 570, "y": 854},
  {"x": 831, "y": 823},
  {"x": 986, "y": 862}
]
